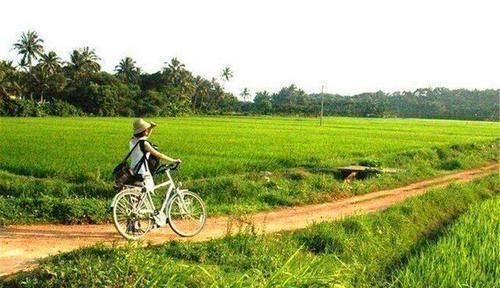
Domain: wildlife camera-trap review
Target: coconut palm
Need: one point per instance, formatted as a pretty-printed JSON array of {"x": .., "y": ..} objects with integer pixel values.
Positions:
[
  {"x": 201, "y": 95},
  {"x": 217, "y": 93},
  {"x": 50, "y": 63},
  {"x": 180, "y": 78},
  {"x": 44, "y": 74},
  {"x": 175, "y": 71},
  {"x": 9, "y": 77},
  {"x": 128, "y": 71},
  {"x": 226, "y": 74},
  {"x": 83, "y": 62},
  {"x": 29, "y": 46},
  {"x": 40, "y": 81},
  {"x": 245, "y": 94}
]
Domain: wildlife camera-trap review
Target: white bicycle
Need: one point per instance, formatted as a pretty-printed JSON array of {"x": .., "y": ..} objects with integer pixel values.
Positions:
[{"x": 134, "y": 212}]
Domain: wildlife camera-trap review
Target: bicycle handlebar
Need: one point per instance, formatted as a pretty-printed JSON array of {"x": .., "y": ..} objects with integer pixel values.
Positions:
[{"x": 173, "y": 165}]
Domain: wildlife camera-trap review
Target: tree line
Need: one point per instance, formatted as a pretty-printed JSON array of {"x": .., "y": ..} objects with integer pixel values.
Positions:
[
  {"x": 440, "y": 103},
  {"x": 43, "y": 84}
]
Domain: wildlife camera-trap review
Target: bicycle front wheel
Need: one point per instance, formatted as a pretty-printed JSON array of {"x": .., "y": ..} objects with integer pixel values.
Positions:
[{"x": 187, "y": 214}]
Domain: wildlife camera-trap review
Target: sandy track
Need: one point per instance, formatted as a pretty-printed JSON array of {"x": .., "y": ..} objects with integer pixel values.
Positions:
[{"x": 22, "y": 245}]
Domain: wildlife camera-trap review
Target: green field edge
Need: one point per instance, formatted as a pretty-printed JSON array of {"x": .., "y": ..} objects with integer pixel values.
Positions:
[
  {"x": 357, "y": 251},
  {"x": 465, "y": 254},
  {"x": 27, "y": 199}
]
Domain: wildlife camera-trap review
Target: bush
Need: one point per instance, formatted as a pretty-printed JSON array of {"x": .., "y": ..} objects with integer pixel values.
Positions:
[
  {"x": 30, "y": 108},
  {"x": 451, "y": 165},
  {"x": 297, "y": 174},
  {"x": 62, "y": 108},
  {"x": 322, "y": 239}
]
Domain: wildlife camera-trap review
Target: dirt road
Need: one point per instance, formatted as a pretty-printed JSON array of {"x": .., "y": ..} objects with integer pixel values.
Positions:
[{"x": 22, "y": 245}]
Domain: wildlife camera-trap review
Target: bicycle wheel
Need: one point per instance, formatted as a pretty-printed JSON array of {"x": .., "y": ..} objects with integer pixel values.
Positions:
[
  {"x": 186, "y": 214},
  {"x": 131, "y": 215}
]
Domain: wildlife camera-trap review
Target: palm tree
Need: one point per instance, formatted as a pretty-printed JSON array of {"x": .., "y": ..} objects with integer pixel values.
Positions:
[
  {"x": 48, "y": 65},
  {"x": 245, "y": 94},
  {"x": 127, "y": 70},
  {"x": 40, "y": 81},
  {"x": 201, "y": 93},
  {"x": 177, "y": 75},
  {"x": 217, "y": 93},
  {"x": 226, "y": 74},
  {"x": 83, "y": 62},
  {"x": 175, "y": 71},
  {"x": 9, "y": 77},
  {"x": 50, "y": 62},
  {"x": 29, "y": 47}
]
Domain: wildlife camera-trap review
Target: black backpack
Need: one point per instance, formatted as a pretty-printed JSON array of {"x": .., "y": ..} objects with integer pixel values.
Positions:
[{"x": 124, "y": 174}]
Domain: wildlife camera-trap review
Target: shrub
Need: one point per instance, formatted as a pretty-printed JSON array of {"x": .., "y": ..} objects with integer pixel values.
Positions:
[
  {"x": 30, "y": 108},
  {"x": 62, "y": 108},
  {"x": 297, "y": 174},
  {"x": 322, "y": 239},
  {"x": 450, "y": 165}
]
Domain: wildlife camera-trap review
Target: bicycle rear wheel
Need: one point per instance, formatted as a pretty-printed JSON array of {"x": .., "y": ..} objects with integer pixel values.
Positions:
[
  {"x": 131, "y": 216},
  {"x": 186, "y": 214}
]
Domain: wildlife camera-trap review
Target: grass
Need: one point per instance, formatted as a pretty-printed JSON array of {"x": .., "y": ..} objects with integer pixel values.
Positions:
[
  {"x": 467, "y": 255},
  {"x": 359, "y": 251},
  {"x": 237, "y": 164}
]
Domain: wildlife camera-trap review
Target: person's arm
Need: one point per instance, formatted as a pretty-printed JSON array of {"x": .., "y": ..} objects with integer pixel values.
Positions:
[{"x": 157, "y": 154}]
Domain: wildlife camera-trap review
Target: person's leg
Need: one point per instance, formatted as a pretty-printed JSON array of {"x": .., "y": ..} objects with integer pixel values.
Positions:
[{"x": 148, "y": 182}]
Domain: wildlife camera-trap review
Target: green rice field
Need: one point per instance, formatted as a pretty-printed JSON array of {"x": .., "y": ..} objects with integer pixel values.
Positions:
[
  {"x": 467, "y": 255},
  {"x": 59, "y": 169},
  {"x": 88, "y": 148}
]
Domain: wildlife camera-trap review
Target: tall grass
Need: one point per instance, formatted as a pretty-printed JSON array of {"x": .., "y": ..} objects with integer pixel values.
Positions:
[
  {"x": 467, "y": 255},
  {"x": 27, "y": 199},
  {"x": 355, "y": 252},
  {"x": 236, "y": 164}
]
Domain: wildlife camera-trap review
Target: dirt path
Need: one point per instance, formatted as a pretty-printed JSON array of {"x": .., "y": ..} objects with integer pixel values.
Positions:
[{"x": 21, "y": 245}]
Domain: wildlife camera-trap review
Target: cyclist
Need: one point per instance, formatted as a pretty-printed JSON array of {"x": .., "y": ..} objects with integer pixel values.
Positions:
[{"x": 145, "y": 152}]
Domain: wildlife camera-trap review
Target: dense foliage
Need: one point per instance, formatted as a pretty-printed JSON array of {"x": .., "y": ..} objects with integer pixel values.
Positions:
[
  {"x": 44, "y": 84},
  {"x": 422, "y": 103},
  {"x": 358, "y": 251}
]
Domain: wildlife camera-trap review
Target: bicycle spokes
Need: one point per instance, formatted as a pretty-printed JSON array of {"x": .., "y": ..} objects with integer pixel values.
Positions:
[
  {"x": 132, "y": 217},
  {"x": 134, "y": 212},
  {"x": 187, "y": 214}
]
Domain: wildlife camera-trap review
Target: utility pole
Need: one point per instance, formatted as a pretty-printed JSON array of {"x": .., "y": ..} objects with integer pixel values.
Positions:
[{"x": 321, "y": 112}]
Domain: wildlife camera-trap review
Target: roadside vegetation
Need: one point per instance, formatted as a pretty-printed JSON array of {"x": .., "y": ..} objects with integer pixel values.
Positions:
[
  {"x": 467, "y": 255},
  {"x": 359, "y": 251},
  {"x": 60, "y": 171}
]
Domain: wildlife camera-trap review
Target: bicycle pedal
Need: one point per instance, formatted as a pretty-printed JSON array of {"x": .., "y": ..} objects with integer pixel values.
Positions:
[{"x": 160, "y": 219}]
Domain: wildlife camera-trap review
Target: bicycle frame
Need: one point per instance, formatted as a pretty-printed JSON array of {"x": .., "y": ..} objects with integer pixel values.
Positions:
[
  {"x": 171, "y": 186},
  {"x": 135, "y": 203},
  {"x": 146, "y": 194}
]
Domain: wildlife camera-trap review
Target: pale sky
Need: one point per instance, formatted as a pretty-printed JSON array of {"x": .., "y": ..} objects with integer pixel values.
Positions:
[{"x": 349, "y": 46}]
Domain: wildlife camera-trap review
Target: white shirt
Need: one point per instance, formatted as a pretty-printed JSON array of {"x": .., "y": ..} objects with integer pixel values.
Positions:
[{"x": 137, "y": 156}]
